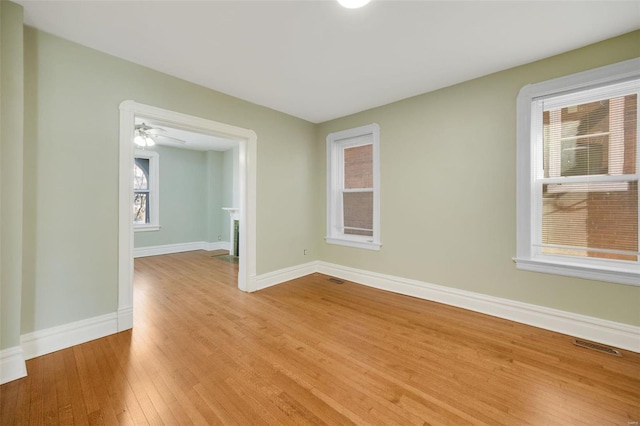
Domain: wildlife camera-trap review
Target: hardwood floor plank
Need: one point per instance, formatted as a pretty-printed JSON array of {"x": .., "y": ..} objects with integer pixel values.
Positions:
[
  {"x": 50, "y": 390},
  {"x": 10, "y": 398},
  {"x": 23, "y": 409},
  {"x": 100, "y": 382},
  {"x": 73, "y": 412},
  {"x": 91, "y": 403},
  {"x": 122, "y": 365},
  {"x": 313, "y": 352},
  {"x": 36, "y": 405},
  {"x": 65, "y": 412}
]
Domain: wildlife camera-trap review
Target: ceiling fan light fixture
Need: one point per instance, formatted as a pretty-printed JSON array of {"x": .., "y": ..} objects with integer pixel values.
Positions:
[
  {"x": 144, "y": 136},
  {"x": 353, "y": 4}
]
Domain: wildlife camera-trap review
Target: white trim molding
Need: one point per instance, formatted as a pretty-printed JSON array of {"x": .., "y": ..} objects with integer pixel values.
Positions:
[
  {"x": 595, "y": 84},
  {"x": 217, "y": 245},
  {"x": 624, "y": 336},
  {"x": 611, "y": 333},
  {"x": 125, "y": 319},
  {"x": 620, "y": 335},
  {"x": 12, "y": 364},
  {"x": 247, "y": 168},
  {"x": 179, "y": 248},
  {"x": 153, "y": 191},
  {"x": 337, "y": 143},
  {"x": 287, "y": 274},
  {"x": 53, "y": 339}
]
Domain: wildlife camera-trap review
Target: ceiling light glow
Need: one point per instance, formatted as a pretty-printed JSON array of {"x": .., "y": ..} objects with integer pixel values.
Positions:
[
  {"x": 143, "y": 140},
  {"x": 353, "y": 4}
]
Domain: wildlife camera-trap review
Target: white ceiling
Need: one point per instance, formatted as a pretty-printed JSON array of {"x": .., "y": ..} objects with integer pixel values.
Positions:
[{"x": 318, "y": 61}]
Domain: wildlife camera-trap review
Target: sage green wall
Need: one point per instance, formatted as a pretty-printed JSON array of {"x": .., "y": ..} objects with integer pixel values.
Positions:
[
  {"x": 190, "y": 197},
  {"x": 73, "y": 94},
  {"x": 215, "y": 189},
  {"x": 448, "y": 182},
  {"x": 448, "y": 190},
  {"x": 11, "y": 171},
  {"x": 229, "y": 167}
]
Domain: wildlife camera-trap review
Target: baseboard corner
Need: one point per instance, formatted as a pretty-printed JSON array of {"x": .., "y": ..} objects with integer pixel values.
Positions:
[
  {"x": 60, "y": 337},
  {"x": 12, "y": 364},
  {"x": 125, "y": 318},
  {"x": 286, "y": 274}
]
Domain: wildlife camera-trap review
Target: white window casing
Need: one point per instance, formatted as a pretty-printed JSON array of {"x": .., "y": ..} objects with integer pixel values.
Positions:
[
  {"x": 154, "y": 191},
  {"x": 336, "y": 144},
  {"x": 609, "y": 83}
]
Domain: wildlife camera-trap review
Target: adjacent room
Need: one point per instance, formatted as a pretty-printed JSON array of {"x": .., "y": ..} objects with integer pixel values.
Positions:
[
  {"x": 305, "y": 212},
  {"x": 185, "y": 188}
]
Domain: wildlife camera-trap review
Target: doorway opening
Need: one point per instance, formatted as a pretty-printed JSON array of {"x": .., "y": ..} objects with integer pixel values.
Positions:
[{"x": 246, "y": 198}]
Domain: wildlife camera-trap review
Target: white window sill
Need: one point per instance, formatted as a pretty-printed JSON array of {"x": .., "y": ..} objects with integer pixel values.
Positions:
[
  {"x": 627, "y": 274},
  {"x": 369, "y": 245},
  {"x": 145, "y": 228}
]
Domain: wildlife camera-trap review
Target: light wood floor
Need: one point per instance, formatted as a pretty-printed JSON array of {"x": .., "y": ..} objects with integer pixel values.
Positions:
[{"x": 314, "y": 352}]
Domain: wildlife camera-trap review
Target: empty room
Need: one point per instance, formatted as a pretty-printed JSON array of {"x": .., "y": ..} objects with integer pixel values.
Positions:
[{"x": 319, "y": 212}]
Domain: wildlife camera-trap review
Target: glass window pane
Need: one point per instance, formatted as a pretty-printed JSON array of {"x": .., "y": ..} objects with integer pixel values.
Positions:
[
  {"x": 140, "y": 180},
  {"x": 595, "y": 138},
  {"x": 358, "y": 167},
  {"x": 358, "y": 213},
  {"x": 599, "y": 216},
  {"x": 140, "y": 208}
]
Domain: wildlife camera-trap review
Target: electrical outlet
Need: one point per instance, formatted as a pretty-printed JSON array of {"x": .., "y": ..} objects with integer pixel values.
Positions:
[
  {"x": 219, "y": 237},
  {"x": 305, "y": 252}
]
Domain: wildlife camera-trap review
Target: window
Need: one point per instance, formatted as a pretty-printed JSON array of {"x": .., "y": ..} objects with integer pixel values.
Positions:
[
  {"x": 353, "y": 187},
  {"x": 145, "y": 191},
  {"x": 578, "y": 173}
]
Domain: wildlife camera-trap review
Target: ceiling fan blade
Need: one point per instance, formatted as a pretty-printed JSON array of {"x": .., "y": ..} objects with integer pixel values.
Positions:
[
  {"x": 145, "y": 128},
  {"x": 176, "y": 140}
]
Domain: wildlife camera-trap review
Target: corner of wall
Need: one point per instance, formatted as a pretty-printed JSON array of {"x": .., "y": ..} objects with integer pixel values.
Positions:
[
  {"x": 11, "y": 188},
  {"x": 12, "y": 364}
]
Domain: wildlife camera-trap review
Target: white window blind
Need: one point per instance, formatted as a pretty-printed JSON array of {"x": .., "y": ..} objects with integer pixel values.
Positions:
[
  {"x": 357, "y": 191},
  {"x": 578, "y": 173},
  {"x": 589, "y": 182}
]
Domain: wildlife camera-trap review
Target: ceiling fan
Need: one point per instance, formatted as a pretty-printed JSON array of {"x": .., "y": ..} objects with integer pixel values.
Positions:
[{"x": 145, "y": 135}]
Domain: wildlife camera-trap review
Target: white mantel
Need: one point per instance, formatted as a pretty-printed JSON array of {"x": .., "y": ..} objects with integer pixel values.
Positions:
[{"x": 234, "y": 213}]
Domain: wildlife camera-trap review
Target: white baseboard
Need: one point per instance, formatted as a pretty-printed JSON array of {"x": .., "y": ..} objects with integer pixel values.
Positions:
[
  {"x": 611, "y": 333},
  {"x": 218, "y": 245},
  {"x": 125, "y": 318},
  {"x": 53, "y": 339},
  {"x": 12, "y": 365},
  {"x": 287, "y": 274},
  {"x": 180, "y": 247},
  {"x": 598, "y": 330}
]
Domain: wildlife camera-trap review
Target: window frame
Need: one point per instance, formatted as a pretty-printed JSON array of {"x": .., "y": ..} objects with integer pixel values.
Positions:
[
  {"x": 529, "y": 257},
  {"x": 336, "y": 144},
  {"x": 154, "y": 191}
]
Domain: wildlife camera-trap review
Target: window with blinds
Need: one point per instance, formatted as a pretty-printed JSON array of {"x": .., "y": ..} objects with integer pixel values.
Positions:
[
  {"x": 590, "y": 178},
  {"x": 357, "y": 190},
  {"x": 352, "y": 188},
  {"x": 579, "y": 210}
]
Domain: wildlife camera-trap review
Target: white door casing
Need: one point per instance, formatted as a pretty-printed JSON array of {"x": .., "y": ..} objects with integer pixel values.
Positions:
[{"x": 247, "y": 139}]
